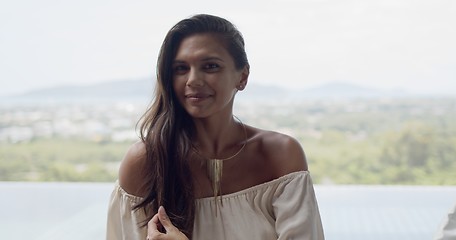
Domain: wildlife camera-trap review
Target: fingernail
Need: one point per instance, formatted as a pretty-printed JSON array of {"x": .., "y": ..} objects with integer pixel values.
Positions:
[{"x": 162, "y": 209}]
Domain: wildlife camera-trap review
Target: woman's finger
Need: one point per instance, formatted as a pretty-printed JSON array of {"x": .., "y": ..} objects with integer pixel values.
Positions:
[
  {"x": 152, "y": 228},
  {"x": 152, "y": 224},
  {"x": 164, "y": 220},
  {"x": 159, "y": 220}
]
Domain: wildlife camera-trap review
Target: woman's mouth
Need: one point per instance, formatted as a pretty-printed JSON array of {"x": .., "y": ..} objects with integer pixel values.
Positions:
[{"x": 197, "y": 97}]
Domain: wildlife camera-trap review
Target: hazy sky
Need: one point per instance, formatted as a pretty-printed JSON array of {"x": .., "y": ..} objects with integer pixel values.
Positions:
[{"x": 386, "y": 44}]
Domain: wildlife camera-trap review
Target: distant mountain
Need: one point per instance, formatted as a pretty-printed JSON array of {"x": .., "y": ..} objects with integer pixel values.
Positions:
[
  {"x": 347, "y": 90},
  {"x": 142, "y": 90},
  {"x": 125, "y": 90},
  {"x": 264, "y": 93},
  {"x": 112, "y": 89}
]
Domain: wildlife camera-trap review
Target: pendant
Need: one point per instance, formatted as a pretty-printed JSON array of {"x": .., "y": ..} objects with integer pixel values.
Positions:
[{"x": 214, "y": 172}]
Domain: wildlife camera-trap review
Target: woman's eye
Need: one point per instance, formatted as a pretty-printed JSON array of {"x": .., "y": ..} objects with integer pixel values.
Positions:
[
  {"x": 211, "y": 66},
  {"x": 180, "y": 69}
]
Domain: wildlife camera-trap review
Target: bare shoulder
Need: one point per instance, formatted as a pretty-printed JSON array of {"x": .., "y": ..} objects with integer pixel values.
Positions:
[
  {"x": 284, "y": 153},
  {"x": 131, "y": 170}
]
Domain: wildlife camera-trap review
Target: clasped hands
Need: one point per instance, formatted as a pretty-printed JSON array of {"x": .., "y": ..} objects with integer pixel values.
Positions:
[{"x": 170, "y": 231}]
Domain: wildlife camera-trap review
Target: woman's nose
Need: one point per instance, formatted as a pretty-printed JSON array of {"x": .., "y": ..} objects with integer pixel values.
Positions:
[{"x": 195, "y": 78}]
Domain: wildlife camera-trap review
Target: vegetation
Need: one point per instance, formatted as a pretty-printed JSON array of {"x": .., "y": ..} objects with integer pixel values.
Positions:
[
  {"x": 372, "y": 141},
  {"x": 367, "y": 141},
  {"x": 60, "y": 160}
]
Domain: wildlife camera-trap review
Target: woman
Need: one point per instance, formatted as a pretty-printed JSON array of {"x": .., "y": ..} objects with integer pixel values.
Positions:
[{"x": 198, "y": 171}]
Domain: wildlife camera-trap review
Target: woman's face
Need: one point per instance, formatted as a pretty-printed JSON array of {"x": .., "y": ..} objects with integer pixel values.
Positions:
[{"x": 205, "y": 79}]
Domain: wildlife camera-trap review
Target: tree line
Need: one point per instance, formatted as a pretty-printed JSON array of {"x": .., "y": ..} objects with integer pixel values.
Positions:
[{"x": 367, "y": 141}]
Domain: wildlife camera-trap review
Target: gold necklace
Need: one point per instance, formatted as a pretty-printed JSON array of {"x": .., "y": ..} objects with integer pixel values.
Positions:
[{"x": 214, "y": 168}]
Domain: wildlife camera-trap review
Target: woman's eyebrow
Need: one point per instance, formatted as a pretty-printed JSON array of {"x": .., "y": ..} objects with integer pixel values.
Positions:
[
  {"x": 212, "y": 59},
  {"x": 206, "y": 59}
]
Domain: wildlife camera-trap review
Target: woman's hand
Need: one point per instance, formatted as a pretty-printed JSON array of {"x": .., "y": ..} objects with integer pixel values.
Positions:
[{"x": 171, "y": 232}]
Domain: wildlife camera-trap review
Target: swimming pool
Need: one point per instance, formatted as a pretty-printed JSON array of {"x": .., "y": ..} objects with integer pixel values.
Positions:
[{"x": 67, "y": 211}]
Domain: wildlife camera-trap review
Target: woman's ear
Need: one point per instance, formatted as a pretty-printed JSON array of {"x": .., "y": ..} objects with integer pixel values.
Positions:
[{"x": 244, "y": 78}]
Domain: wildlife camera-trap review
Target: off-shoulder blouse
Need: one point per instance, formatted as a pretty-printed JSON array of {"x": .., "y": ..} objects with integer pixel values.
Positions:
[{"x": 284, "y": 208}]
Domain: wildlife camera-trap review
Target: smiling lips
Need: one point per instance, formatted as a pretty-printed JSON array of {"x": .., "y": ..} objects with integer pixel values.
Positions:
[{"x": 197, "y": 97}]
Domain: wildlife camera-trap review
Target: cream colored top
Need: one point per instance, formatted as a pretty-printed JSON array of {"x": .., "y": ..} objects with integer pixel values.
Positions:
[{"x": 284, "y": 208}]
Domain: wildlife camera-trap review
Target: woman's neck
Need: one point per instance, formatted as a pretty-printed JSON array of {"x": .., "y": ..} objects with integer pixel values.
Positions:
[{"x": 218, "y": 137}]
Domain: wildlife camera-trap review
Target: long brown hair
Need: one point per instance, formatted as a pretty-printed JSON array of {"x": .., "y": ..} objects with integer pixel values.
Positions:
[{"x": 167, "y": 129}]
